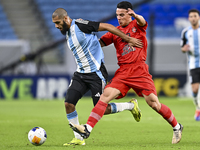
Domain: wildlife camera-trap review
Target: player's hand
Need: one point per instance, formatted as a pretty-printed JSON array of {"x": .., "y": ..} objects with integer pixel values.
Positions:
[
  {"x": 131, "y": 12},
  {"x": 185, "y": 48},
  {"x": 135, "y": 42}
]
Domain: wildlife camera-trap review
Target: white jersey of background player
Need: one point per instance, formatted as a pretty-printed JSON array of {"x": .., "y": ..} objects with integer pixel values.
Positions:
[{"x": 190, "y": 43}]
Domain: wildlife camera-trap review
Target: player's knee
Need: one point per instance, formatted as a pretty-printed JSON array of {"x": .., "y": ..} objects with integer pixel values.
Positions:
[
  {"x": 69, "y": 107},
  {"x": 195, "y": 90},
  {"x": 72, "y": 97}
]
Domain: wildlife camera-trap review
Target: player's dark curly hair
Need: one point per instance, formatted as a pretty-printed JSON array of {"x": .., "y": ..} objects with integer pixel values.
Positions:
[
  {"x": 124, "y": 5},
  {"x": 193, "y": 10}
]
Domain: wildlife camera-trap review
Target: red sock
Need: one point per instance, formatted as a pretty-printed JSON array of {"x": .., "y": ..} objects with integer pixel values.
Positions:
[
  {"x": 168, "y": 115},
  {"x": 97, "y": 113}
]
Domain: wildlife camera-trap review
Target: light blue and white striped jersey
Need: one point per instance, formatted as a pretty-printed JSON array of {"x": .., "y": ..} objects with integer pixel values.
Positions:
[
  {"x": 192, "y": 37},
  {"x": 85, "y": 48}
]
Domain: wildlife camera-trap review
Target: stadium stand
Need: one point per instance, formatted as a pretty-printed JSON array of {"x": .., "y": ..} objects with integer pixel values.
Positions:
[
  {"x": 6, "y": 30},
  {"x": 76, "y": 9},
  {"x": 165, "y": 12}
]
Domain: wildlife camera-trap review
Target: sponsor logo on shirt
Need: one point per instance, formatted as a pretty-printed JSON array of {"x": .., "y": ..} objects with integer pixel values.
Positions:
[{"x": 127, "y": 49}]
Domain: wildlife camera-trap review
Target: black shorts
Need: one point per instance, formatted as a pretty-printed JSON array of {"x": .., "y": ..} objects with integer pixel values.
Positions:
[
  {"x": 195, "y": 75},
  {"x": 83, "y": 82}
]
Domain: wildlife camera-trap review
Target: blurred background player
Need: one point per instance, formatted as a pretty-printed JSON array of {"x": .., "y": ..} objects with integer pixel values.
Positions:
[
  {"x": 91, "y": 73},
  {"x": 133, "y": 73},
  {"x": 190, "y": 43}
]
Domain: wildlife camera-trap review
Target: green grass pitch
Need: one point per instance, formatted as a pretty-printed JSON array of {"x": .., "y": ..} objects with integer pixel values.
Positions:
[{"x": 113, "y": 132}]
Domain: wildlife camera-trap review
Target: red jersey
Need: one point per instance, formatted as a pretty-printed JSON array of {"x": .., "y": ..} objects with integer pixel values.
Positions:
[{"x": 125, "y": 54}]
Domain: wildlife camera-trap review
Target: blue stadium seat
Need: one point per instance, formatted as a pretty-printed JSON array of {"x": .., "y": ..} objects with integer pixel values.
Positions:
[
  {"x": 157, "y": 8},
  {"x": 165, "y": 12},
  {"x": 6, "y": 30},
  {"x": 145, "y": 8},
  {"x": 184, "y": 8},
  {"x": 170, "y": 8}
]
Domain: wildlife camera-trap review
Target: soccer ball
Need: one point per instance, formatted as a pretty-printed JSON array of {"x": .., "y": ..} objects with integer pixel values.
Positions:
[{"x": 37, "y": 136}]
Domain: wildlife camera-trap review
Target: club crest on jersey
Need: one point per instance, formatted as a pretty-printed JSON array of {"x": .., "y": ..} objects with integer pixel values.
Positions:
[{"x": 134, "y": 29}]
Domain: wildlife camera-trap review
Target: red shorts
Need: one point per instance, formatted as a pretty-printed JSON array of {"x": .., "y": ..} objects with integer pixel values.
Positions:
[{"x": 135, "y": 76}]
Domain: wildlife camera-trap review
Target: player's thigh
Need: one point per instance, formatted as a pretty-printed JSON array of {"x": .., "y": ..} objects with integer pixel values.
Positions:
[
  {"x": 96, "y": 87},
  {"x": 97, "y": 83},
  {"x": 109, "y": 94},
  {"x": 195, "y": 75},
  {"x": 76, "y": 90}
]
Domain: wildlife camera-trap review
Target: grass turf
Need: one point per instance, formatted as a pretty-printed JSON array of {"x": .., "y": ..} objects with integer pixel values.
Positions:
[{"x": 113, "y": 132}]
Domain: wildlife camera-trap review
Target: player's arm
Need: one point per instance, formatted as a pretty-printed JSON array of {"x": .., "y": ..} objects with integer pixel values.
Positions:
[
  {"x": 132, "y": 41},
  {"x": 91, "y": 26},
  {"x": 87, "y": 26},
  {"x": 140, "y": 19},
  {"x": 184, "y": 46}
]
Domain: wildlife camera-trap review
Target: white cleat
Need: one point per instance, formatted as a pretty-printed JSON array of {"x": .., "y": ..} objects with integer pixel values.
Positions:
[{"x": 177, "y": 135}]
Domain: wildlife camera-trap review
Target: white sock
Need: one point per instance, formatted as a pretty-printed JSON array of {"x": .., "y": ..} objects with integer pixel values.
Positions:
[
  {"x": 118, "y": 107},
  {"x": 89, "y": 128},
  {"x": 177, "y": 126},
  {"x": 73, "y": 118},
  {"x": 196, "y": 103}
]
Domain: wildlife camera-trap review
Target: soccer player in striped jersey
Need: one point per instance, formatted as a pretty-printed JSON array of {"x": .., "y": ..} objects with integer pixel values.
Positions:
[
  {"x": 91, "y": 73},
  {"x": 133, "y": 73},
  {"x": 190, "y": 44}
]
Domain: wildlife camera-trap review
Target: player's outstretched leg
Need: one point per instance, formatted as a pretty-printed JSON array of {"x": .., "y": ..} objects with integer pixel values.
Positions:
[
  {"x": 80, "y": 129},
  {"x": 177, "y": 134},
  {"x": 75, "y": 141},
  {"x": 136, "y": 110}
]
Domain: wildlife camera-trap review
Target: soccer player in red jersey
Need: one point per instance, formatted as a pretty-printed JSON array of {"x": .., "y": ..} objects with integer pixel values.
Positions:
[{"x": 133, "y": 73}]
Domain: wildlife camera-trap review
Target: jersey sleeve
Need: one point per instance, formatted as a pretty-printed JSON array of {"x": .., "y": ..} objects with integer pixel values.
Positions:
[
  {"x": 143, "y": 28},
  {"x": 107, "y": 38},
  {"x": 183, "y": 38},
  {"x": 87, "y": 26}
]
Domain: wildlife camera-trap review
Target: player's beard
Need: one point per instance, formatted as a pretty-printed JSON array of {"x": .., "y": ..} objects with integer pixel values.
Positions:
[
  {"x": 65, "y": 28},
  {"x": 195, "y": 23}
]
